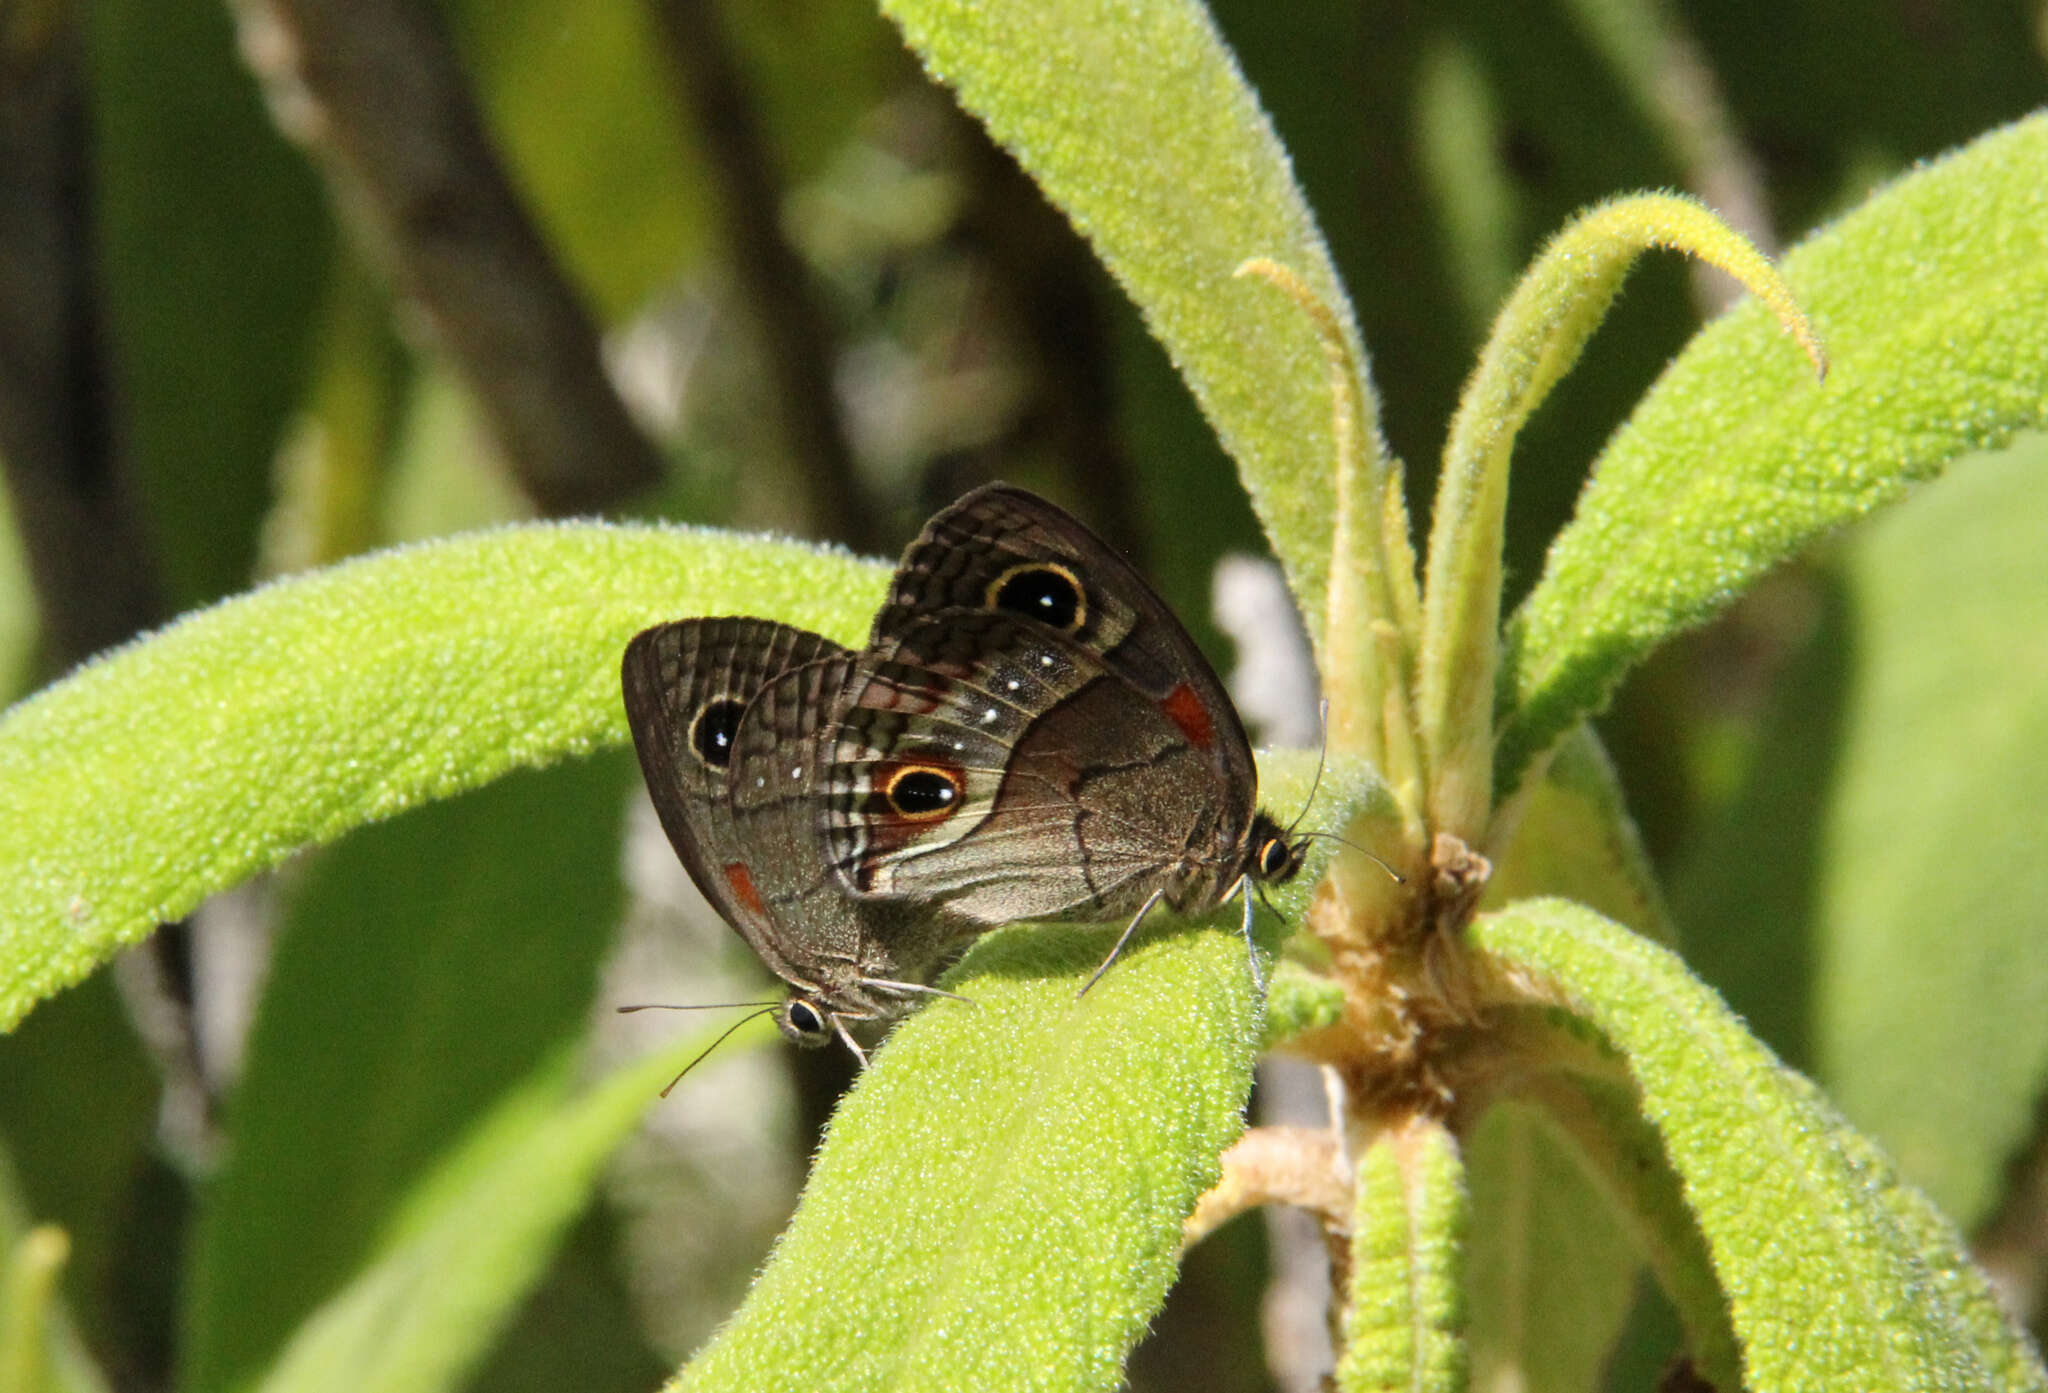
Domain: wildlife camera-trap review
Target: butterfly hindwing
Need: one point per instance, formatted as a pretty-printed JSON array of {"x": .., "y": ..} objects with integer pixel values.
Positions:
[
  {"x": 1069, "y": 796},
  {"x": 688, "y": 686}
]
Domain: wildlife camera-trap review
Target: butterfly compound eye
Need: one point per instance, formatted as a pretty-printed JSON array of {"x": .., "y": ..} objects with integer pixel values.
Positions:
[
  {"x": 1277, "y": 860},
  {"x": 1050, "y": 594},
  {"x": 804, "y": 1023},
  {"x": 712, "y": 732}
]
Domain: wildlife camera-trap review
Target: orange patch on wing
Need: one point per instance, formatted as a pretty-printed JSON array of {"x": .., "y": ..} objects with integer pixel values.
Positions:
[
  {"x": 1185, "y": 710},
  {"x": 742, "y": 883}
]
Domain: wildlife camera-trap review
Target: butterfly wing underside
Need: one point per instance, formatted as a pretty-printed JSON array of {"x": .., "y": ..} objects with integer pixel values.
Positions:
[
  {"x": 963, "y": 555},
  {"x": 689, "y": 688},
  {"x": 1091, "y": 744}
]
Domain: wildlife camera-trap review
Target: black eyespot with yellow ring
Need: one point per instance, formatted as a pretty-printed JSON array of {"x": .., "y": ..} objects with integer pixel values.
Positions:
[
  {"x": 711, "y": 734},
  {"x": 923, "y": 792},
  {"x": 1042, "y": 590}
]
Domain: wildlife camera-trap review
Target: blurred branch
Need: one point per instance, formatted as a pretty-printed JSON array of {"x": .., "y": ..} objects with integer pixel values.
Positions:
[
  {"x": 1300, "y": 1166},
  {"x": 92, "y": 569},
  {"x": 771, "y": 275},
  {"x": 373, "y": 90}
]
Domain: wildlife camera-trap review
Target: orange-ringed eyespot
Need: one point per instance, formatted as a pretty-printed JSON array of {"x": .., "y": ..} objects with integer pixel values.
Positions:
[{"x": 922, "y": 792}]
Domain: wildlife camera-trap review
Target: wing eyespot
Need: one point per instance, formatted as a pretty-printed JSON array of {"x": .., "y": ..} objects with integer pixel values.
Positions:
[
  {"x": 711, "y": 734},
  {"x": 923, "y": 792},
  {"x": 1042, "y": 590}
]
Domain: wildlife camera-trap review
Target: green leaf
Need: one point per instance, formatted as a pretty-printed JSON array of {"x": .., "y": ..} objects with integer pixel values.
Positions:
[
  {"x": 1575, "y": 840},
  {"x": 473, "y": 1238},
  {"x": 1551, "y": 1274},
  {"x": 1056, "y": 1143},
  {"x": 425, "y": 967},
  {"x": 1827, "y": 1287},
  {"x": 187, "y": 762},
  {"x": 1928, "y": 299},
  {"x": 79, "y": 1060},
  {"x": 1539, "y": 335},
  {"x": 584, "y": 108},
  {"x": 213, "y": 242},
  {"x": 1405, "y": 1316},
  {"x": 998, "y": 1202},
  {"x": 19, "y": 624},
  {"x": 1135, "y": 121},
  {"x": 40, "y": 1351},
  {"x": 1872, "y": 897},
  {"x": 1620, "y": 1148}
]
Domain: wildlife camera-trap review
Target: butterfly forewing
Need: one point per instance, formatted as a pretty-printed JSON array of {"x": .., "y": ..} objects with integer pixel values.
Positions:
[{"x": 1003, "y": 549}]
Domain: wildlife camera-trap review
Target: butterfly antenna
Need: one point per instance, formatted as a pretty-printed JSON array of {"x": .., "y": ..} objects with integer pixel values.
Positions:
[
  {"x": 723, "y": 1035},
  {"x": 1322, "y": 759},
  {"x": 701, "y": 1006},
  {"x": 1399, "y": 879}
]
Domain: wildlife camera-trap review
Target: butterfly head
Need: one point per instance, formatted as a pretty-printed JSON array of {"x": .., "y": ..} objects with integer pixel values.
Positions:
[{"x": 1272, "y": 856}]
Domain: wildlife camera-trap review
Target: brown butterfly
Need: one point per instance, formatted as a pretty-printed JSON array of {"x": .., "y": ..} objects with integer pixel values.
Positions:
[{"x": 1029, "y": 734}]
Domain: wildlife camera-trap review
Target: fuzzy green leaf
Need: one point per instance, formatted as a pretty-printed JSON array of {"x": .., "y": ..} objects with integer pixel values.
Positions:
[
  {"x": 185, "y": 763},
  {"x": 1539, "y": 335},
  {"x": 1827, "y": 1287},
  {"x": 1134, "y": 119},
  {"x": 998, "y": 1204},
  {"x": 1871, "y": 900},
  {"x": 1404, "y": 1331},
  {"x": 474, "y": 1237},
  {"x": 1929, "y": 298},
  {"x": 1621, "y": 1150}
]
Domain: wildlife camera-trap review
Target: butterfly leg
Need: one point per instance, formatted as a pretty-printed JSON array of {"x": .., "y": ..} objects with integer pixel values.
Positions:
[
  {"x": 914, "y": 989},
  {"x": 846, "y": 1038},
  {"x": 1123, "y": 938},
  {"x": 1251, "y": 947}
]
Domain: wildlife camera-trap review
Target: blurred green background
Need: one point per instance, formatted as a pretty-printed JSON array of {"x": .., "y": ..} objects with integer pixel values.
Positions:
[{"x": 828, "y": 306}]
